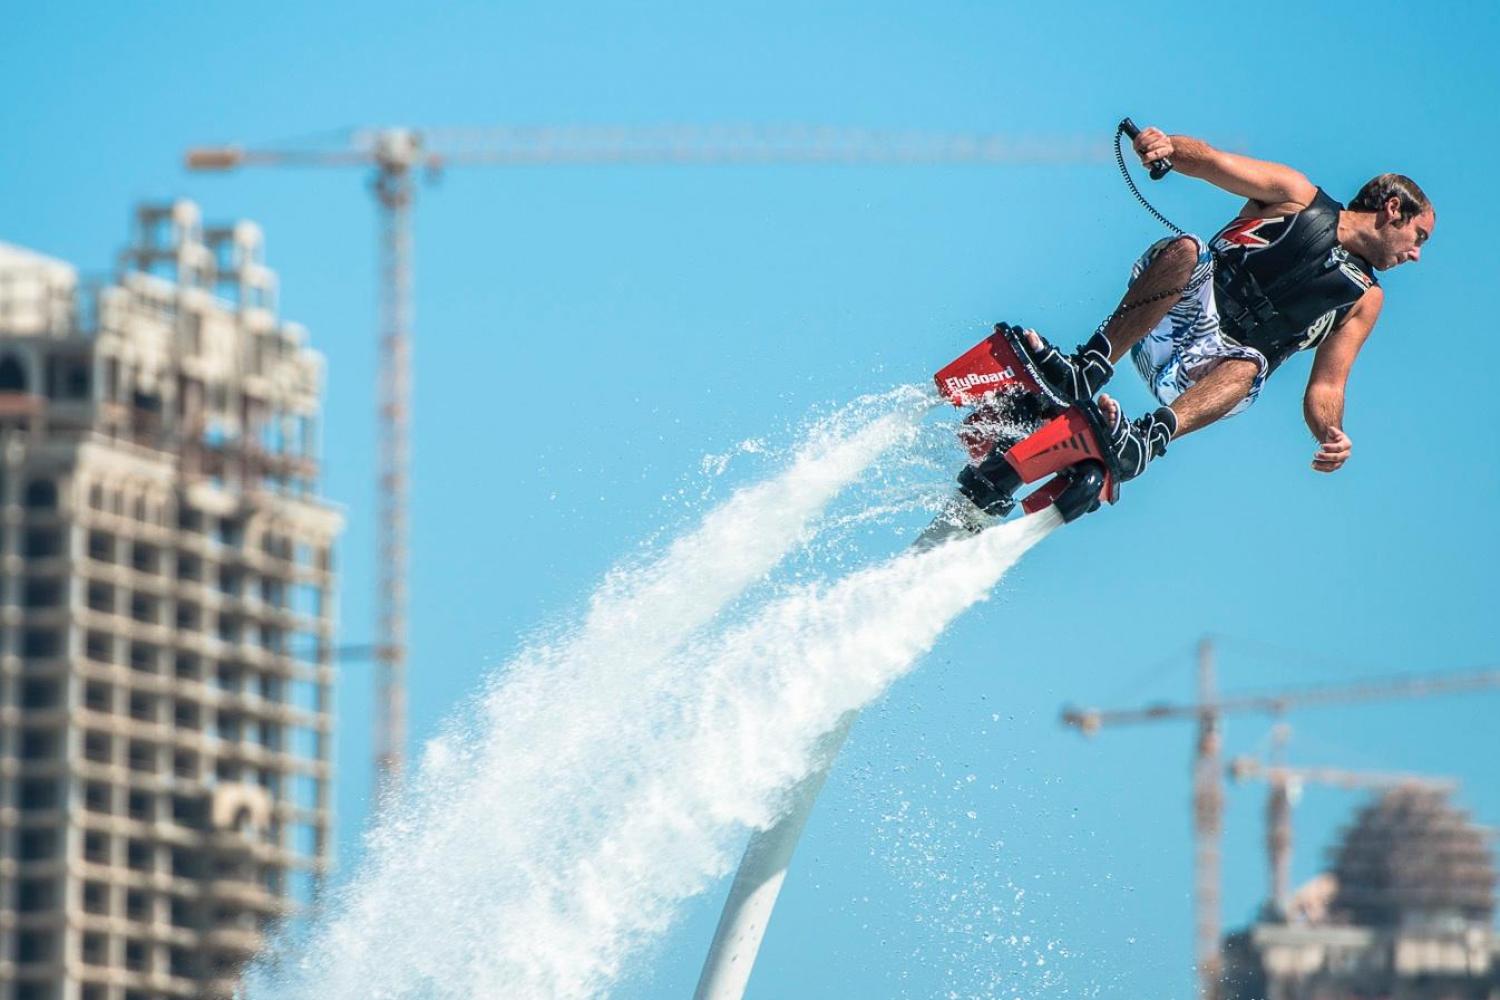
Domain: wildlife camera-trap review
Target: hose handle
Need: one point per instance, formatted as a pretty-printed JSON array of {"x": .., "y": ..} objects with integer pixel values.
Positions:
[{"x": 1159, "y": 168}]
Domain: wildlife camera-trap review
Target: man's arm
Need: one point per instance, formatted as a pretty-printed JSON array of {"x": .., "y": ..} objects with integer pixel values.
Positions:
[
  {"x": 1271, "y": 184},
  {"x": 1323, "y": 403}
]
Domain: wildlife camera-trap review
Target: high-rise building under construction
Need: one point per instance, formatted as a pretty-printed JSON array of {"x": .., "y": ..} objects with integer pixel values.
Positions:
[{"x": 166, "y": 617}]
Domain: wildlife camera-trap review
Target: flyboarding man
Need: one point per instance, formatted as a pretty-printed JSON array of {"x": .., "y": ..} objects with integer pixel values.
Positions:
[{"x": 1207, "y": 322}]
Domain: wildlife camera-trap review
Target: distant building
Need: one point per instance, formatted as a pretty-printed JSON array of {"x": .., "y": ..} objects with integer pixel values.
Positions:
[
  {"x": 1406, "y": 913},
  {"x": 166, "y": 596}
]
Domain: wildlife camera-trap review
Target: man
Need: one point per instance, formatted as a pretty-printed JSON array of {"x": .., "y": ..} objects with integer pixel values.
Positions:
[{"x": 1207, "y": 323}]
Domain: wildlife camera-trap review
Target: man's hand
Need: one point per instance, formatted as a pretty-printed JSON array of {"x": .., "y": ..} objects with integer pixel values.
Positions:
[
  {"x": 1333, "y": 452},
  {"x": 1153, "y": 144}
]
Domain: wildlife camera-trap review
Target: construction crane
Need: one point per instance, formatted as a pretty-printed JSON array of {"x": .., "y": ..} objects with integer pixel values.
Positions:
[
  {"x": 395, "y": 155},
  {"x": 1208, "y": 775},
  {"x": 1284, "y": 781}
]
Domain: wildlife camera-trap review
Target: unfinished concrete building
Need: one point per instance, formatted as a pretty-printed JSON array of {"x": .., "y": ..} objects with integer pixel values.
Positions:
[
  {"x": 166, "y": 589},
  {"x": 1405, "y": 913}
]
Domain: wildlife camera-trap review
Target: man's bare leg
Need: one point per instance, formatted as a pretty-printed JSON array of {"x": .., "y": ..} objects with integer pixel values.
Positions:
[
  {"x": 1215, "y": 394},
  {"x": 1166, "y": 276},
  {"x": 1210, "y": 398}
]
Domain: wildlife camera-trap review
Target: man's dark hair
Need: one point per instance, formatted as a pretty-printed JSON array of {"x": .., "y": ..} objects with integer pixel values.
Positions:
[{"x": 1379, "y": 190}]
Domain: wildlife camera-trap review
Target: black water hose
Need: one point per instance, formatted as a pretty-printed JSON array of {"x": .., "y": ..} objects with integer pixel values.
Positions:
[{"x": 1159, "y": 169}]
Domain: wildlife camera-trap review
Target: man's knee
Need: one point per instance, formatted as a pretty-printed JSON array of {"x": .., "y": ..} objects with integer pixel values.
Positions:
[
  {"x": 1179, "y": 256},
  {"x": 1235, "y": 372},
  {"x": 1171, "y": 264}
]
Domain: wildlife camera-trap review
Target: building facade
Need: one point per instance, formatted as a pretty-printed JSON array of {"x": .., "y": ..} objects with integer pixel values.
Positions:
[
  {"x": 166, "y": 617},
  {"x": 1406, "y": 912}
]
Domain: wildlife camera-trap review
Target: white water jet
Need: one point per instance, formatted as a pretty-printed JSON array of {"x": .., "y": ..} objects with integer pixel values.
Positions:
[{"x": 614, "y": 775}]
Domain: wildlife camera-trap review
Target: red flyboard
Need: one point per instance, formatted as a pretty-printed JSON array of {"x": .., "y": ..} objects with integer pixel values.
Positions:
[
  {"x": 1063, "y": 441},
  {"x": 1024, "y": 423},
  {"x": 1057, "y": 444},
  {"x": 990, "y": 366},
  {"x": 993, "y": 378}
]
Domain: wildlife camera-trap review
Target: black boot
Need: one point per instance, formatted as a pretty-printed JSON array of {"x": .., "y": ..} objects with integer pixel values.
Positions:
[
  {"x": 1136, "y": 443},
  {"x": 1077, "y": 377}
]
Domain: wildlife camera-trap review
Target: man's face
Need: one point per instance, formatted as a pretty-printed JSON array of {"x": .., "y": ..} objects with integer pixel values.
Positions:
[{"x": 1401, "y": 242}]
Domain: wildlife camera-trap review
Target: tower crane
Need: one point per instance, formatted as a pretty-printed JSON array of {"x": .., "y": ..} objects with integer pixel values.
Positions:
[
  {"x": 1284, "y": 780},
  {"x": 1208, "y": 775},
  {"x": 395, "y": 155}
]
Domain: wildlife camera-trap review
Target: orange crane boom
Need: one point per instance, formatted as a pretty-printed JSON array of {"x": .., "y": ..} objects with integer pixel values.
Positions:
[
  {"x": 436, "y": 148},
  {"x": 1090, "y": 720}
]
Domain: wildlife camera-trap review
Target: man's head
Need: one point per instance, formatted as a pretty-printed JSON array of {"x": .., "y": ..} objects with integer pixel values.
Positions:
[{"x": 1403, "y": 219}]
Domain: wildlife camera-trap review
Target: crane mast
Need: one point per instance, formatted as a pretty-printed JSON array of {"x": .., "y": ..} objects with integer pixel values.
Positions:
[
  {"x": 1208, "y": 829},
  {"x": 396, "y": 152}
]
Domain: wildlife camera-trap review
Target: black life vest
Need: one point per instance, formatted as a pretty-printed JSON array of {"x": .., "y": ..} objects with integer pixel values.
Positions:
[{"x": 1281, "y": 284}]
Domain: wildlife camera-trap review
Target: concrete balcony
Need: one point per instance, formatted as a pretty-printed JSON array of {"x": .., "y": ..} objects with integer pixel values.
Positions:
[{"x": 238, "y": 942}]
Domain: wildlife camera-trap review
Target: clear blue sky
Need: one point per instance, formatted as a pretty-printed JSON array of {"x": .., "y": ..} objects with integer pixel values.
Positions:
[{"x": 705, "y": 306}]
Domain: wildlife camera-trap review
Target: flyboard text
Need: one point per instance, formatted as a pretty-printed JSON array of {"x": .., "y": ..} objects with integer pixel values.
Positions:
[{"x": 960, "y": 383}]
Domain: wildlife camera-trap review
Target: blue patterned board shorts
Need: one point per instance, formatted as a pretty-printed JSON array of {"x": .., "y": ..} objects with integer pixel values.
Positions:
[{"x": 1188, "y": 343}]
